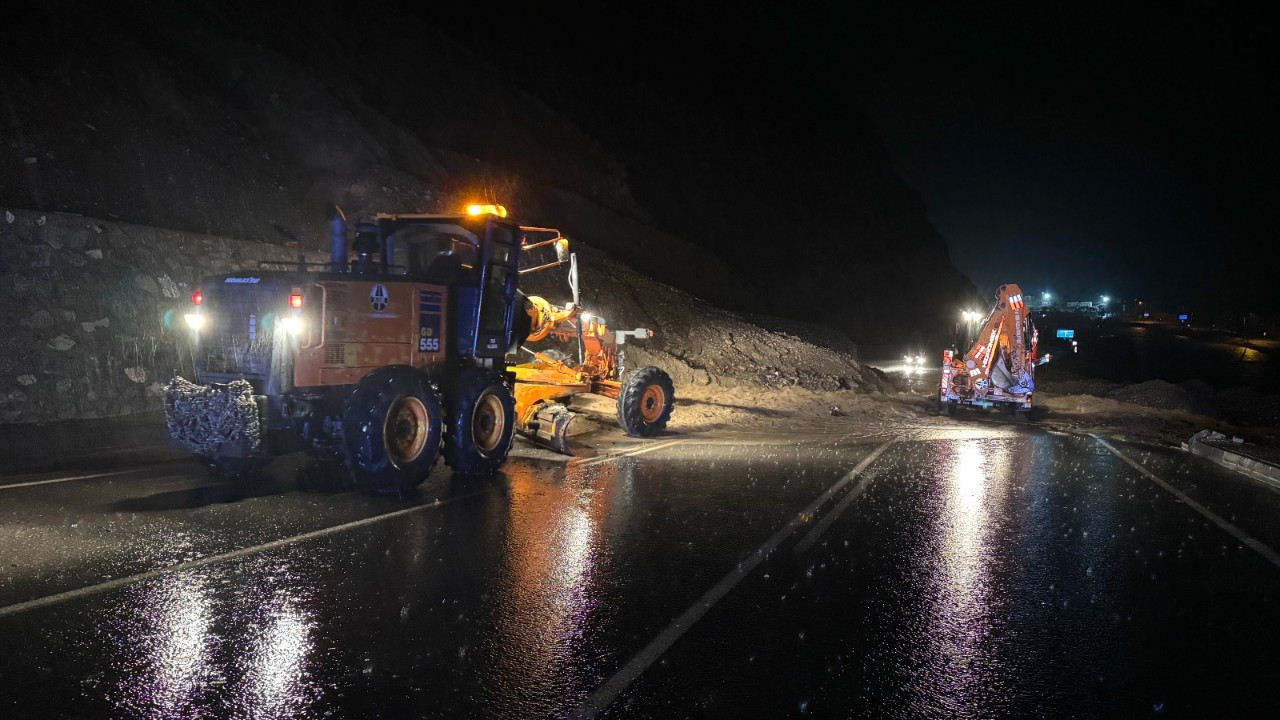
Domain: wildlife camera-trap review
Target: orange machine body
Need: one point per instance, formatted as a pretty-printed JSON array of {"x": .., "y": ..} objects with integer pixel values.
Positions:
[
  {"x": 354, "y": 327},
  {"x": 545, "y": 385},
  {"x": 999, "y": 367},
  {"x": 546, "y": 379}
]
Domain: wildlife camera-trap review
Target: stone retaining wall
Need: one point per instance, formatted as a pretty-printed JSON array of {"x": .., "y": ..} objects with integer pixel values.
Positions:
[{"x": 91, "y": 311}]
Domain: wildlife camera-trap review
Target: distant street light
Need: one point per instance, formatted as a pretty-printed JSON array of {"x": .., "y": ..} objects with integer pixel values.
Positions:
[
  {"x": 1106, "y": 299},
  {"x": 970, "y": 317}
]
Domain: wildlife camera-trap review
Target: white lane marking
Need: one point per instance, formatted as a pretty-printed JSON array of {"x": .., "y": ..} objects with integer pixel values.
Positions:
[
  {"x": 50, "y": 481},
  {"x": 650, "y": 653},
  {"x": 1235, "y": 532},
  {"x": 61, "y": 597},
  {"x": 616, "y": 456},
  {"x": 812, "y": 536},
  {"x": 799, "y": 442}
]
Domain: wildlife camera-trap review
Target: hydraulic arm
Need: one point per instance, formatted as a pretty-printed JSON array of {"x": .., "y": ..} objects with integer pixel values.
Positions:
[{"x": 1000, "y": 365}]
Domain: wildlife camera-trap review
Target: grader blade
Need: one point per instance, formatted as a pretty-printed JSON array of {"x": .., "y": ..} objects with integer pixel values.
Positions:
[{"x": 549, "y": 428}]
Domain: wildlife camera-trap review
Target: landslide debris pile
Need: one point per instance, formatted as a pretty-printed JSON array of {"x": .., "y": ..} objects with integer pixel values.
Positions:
[
  {"x": 1240, "y": 404},
  {"x": 699, "y": 344},
  {"x": 1159, "y": 394}
]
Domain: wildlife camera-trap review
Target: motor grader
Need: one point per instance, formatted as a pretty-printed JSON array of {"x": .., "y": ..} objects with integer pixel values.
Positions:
[
  {"x": 395, "y": 352},
  {"x": 546, "y": 384},
  {"x": 998, "y": 370}
]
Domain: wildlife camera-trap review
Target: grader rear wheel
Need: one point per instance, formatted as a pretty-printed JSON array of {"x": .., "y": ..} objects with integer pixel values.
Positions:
[{"x": 391, "y": 429}]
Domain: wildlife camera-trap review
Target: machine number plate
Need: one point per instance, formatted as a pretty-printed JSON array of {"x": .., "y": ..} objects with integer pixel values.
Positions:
[{"x": 429, "y": 308}]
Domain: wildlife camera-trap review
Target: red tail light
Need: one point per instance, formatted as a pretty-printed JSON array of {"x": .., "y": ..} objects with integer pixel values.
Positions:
[
  {"x": 197, "y": 297},
  {"x": 295, "y": 301}
]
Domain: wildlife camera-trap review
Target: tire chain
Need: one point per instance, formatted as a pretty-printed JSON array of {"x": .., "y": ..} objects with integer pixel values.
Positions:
[{"x": 203, "y": 419}]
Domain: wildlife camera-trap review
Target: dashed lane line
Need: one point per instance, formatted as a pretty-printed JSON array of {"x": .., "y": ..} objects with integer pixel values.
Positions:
[
  {"x": 812, "y": 536},
  {"x": 609, "y": 691},
  {"x": 1213, "y": 517},
  {"x": 50, "y": 481},
  {"x": 263, "y": 547},
  {"x": 223, "y": 557},
  {"x": 619, "y": 455}
]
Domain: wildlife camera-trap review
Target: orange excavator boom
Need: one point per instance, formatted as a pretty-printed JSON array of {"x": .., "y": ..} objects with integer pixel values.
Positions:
[{"x": 999, "y": 367}]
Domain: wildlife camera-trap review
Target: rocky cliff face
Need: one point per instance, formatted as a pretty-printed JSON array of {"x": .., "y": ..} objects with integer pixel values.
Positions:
[
  {"x": 91, "y": 311},
  {"x": 244, "y": 121},
  {"x": 184, "y": 117}
]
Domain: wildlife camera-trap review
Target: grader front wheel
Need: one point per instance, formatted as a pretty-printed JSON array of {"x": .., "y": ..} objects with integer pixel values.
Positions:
[
  {"x": 645, "y": 402},
  {"x": 482, "y": 422}
]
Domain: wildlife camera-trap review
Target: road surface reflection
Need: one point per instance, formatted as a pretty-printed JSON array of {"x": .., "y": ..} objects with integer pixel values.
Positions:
[
  {"x": 958, "y": 663},
  {"x": 185, "y": 648},
  {"x": 552, "y": 549}
]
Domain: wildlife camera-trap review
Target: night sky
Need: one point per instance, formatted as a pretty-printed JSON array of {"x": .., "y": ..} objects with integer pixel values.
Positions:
[
  {"x": 1098, "y": 152},
  {"x": 1073, "y": 150}
]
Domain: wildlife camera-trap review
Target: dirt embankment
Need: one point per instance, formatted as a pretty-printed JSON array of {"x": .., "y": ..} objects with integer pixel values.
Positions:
[
  {"x": 1161, "y": 410},
  {"x": 702, "y": 345}
]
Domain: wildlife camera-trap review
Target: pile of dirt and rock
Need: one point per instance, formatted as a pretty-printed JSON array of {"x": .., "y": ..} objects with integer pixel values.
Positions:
[
  {"x": 1161, "y": 395},
  {"x": 1158, "y": 410},
  {"x": 700, "y": 344},
  {"x": 1242, "y": 405}
]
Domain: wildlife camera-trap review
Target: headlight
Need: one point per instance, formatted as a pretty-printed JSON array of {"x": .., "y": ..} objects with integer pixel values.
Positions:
[
  {"x": 292, "y": 325},
  {"x": 195, "y": 321}
]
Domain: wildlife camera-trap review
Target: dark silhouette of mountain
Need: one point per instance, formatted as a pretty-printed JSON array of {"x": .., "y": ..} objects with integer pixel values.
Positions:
[{"x": 736, "y": 181}]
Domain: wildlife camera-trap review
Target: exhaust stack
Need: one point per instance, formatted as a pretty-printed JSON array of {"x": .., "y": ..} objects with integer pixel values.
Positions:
[{"x": 337, "y": 240}]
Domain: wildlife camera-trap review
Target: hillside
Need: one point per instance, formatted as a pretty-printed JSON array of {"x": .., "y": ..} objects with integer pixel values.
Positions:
[
  {"x": 244, "y": 120},
  {"x": 180, "y": 118}
]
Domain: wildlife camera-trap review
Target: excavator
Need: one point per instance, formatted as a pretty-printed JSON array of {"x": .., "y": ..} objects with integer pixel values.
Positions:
[{"x": 999, "y": 369}]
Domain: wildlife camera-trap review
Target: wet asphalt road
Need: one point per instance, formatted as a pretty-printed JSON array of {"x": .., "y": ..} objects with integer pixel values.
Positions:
[{"x": 985, "y": 571}]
